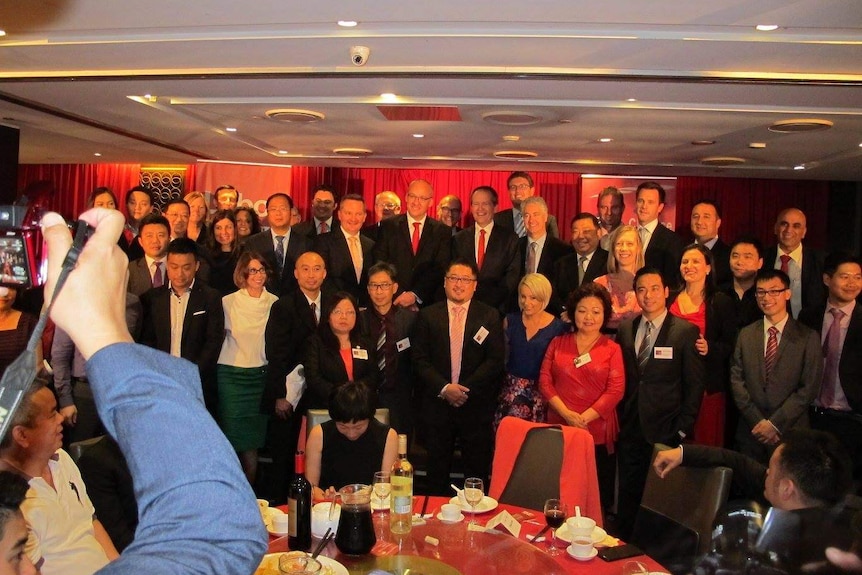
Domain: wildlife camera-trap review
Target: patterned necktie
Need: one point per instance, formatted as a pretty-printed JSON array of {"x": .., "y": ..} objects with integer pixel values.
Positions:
[
  {"x": 646, "y": 345},
  {"x": 785, "y": 261},
  {"x": 279, "y": 254},
  {"x": 582, "y": 269},
  {"x": 456, "y": 341},
  {"x": 417, "y": 233},
  {"x": 531, "y": 257},
  {"x": 158, "y": 275},
  {"x": 355, "y": 255},
  {"x": 381, "y": 343},
  {"x": 314, "y": 313},
  {"x": 480, "y": 256},
  {"x": 643, "y": 234},
  {"x": 771, "y": 350},
  {"x": 519, "y": 224},
  {"x": 831, "y": 354},
  {"x": 323, "y": 228}
]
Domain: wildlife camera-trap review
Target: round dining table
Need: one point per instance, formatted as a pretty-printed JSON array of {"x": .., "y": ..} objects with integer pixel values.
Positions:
[{"x": 440, "y": 548}]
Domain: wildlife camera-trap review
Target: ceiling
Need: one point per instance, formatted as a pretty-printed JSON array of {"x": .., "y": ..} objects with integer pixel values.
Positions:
[{"x": 159, "y": 82}]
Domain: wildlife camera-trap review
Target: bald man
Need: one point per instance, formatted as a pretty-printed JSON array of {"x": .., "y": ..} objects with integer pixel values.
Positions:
[
  {"x": 386, "y": 205},
  {"x": 449, "y": 212},
  {"x": 802, "y": 264}
]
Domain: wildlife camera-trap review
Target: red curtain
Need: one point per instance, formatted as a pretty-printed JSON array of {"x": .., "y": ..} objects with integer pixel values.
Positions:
[{"x": 750, "y": 206}]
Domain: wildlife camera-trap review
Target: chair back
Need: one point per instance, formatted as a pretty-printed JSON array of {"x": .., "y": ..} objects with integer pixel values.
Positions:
[
  {"x": 537, "y": 467},
  {"x": 77, "y": 448},
  {"x": 318, "y": 416}
]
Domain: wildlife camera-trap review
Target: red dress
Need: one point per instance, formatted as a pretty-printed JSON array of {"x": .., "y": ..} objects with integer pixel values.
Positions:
[{"x": 709, "y": 426}]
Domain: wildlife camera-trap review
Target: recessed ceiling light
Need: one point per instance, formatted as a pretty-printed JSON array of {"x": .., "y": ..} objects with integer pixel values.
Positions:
[
  {"x": 702, "y": 142},
  {"x": 347, "y": 23},
  {"x": 230, "y": 129},
  {"x": 418, "y": 135},
  {"x": 2, "y": 32},
  {"x": 799, "y": 167},
  {"x": 860, "y": 145},
  {"x": 606, "y": 140},
  {"x": 388, "y": 97},
  {"x": 800, "y": 125},
  {"x": 766, "y": 27},
  {"x": 97, "y": 154},
  {"x": 282, "y": 152},
  {"x": 632, "y": 100},
  {"x": 757, "y": 145},
  {"x": 516, "y": 138}
]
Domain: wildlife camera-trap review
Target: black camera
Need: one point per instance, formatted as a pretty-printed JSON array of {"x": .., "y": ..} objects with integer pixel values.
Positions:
[{"x": 21, "y": 248}]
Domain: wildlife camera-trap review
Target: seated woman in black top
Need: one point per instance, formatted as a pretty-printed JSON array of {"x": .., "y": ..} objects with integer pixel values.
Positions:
[{"x": 352, "y": 446}]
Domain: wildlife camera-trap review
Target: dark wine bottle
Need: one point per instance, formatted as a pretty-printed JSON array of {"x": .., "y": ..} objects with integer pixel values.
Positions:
[{"x": 299, "y": 508}]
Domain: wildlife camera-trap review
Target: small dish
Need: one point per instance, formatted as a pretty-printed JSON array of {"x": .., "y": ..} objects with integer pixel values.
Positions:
[
  {"x": 459, "y": 520},
  {"x": 582, "y": 557}
]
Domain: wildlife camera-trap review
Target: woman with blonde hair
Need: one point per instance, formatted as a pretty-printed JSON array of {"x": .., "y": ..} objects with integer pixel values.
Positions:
[
  {"x": 528, "y": 334},
  {"x": 625, "y": 258},
  {"x": 198, "y": 212}
]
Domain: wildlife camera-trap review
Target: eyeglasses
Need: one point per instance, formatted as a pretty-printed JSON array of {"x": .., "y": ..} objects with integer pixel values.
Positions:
[
  {"x": 419, "y": 198},
  {"x": 378, "y": 287},
  {"x": 255, "y": 271},
  {"x": 345, "y": 313},
  {"x": 389, "y": 206},
  {"x": 516, "y": 187},
  {"x": 278, "y": 210},
  {"x": 762, "y": 293},
  {"x": 459, "y": 280}
]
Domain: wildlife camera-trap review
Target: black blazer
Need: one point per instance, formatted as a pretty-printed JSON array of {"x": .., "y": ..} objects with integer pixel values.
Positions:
[
  {"x": 324, "y": 369},
  {"x": 308, "y": 228},
  {"x": 340, "y": 274},
  {"x": 554, "y": 251},
  {"x": 566, "y": 272},
  {"x": 498, "y": 278},
  {"x": 297, "y": 244},
  {"x": 665, "y": 398},
  {"x": 421, "y": 273},
  {"x": 749, "y": 475},
  {"x": 850, "y": 365},
  {"x": 664, "y": 252},
  {"x": 372, "y": 232},
  {"x": 721, "y": 263},
  {"x": 482, "y": 364},
  {"x": 403, "y": 321},
  {"x": 813, "y": 290},
  {"x": 506, "y": 219}
]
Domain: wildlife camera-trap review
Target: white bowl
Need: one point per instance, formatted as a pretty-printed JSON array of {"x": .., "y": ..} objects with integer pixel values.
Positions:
[{"x": 580, "y": 526}]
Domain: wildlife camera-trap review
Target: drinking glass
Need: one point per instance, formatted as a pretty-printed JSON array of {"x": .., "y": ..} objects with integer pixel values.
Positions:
[
  {"x": 382, "y": 486},
  {"x": 634, "y": 568},
  {"x": 474, "y": 491},
  {"x": 555, "y": 515}
]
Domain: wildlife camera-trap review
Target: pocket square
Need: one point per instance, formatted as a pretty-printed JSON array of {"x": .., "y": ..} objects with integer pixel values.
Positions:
[{"x": 203, "y": 311}]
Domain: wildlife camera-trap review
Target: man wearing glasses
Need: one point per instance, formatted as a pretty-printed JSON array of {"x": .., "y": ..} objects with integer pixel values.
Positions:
[
  {"x": 386, "y": 205},
  {"x": 775, "y": 372},
  {"x": 521, "y": 187},
  {"x": 418, "y": 246},
  {"x": 323, "y": 204},
  {"x": 458, "y": 357}
]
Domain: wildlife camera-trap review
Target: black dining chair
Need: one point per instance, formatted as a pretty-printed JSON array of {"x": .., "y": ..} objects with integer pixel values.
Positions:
[{"x": 535, "y": 476}]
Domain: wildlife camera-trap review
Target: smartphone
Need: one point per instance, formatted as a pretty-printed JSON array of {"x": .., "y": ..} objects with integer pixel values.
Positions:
[{"x": 619, "y": 552}]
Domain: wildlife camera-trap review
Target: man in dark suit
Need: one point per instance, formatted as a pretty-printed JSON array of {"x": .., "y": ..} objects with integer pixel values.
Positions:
[
  {"x": 838, "y": 408},
  {"x": 292, "y": 322},
  {"x": 775, "y": 372},
  {"x": 705, "y": 222},
  {"x": 494, "y": 250},
  {"x": 386, "y": 205},
  {"x": 746, "y": 259},
  {"x": 587, "y": 263},
  {"x": 521, "y": 188},
  {"x": 279, "y": 245},
  {"x": 803, "y": 265},
  {"x": 185, "y": 317},
  {"x": 148, "y": 271},
  {"x": 665, "y": 378},
  {"x": 390, "y": 327},
  {"x": 449, "y": 212},
  {"x": 458, "y": 357},
  {"x": 347, "y": 253},
  {"x": 323, "y": 204},
  {"x": 539, "y": 252},
  {"x": 662, "y": 247},
  {"x": 418, "y": 246}
]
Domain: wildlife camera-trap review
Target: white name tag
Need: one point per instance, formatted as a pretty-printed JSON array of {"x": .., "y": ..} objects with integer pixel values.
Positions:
[
  {"x": 583, "y": 360},
  {"x": 481, "y": 335},
  {"x": 662, "y": 352},
  {"x": 403, "y": 344},
  {"x": 203, "y": 311},
  {"x": 360, "y": 354}
]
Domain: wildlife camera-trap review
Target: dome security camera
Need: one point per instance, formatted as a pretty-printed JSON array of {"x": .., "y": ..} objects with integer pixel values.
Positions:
[{"x": 359, "y": 55}]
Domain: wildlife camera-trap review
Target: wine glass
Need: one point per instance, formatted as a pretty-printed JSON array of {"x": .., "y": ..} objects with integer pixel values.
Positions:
[
  {"x": 555, "y": 515},
  {"x": 382, "y": 486},
  {"x": 474, "y": 491}
]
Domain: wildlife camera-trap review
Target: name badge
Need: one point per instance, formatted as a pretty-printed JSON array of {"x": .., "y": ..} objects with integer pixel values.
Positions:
[
  {"x": 583, "y": 360},
  {"x": 662, "y": 352},
  {"x": 481, "y": 335},
  {"x": 403, "y": 344},
  {"x": 360, "y": 354}
]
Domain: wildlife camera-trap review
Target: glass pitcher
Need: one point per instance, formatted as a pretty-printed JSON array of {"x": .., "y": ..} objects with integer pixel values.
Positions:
[{"x": 355, "y": 534}]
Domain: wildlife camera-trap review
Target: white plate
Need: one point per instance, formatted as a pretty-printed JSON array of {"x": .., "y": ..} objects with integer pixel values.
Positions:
[
  {"x": 272, "y": 531},
  {"x": 267, "y": 515},
  {"x": 487, "y": 504},
  {"x": 564, "y": 534},
  {"x": 580, "y": 558},
  {"x": 459, "y": 520},
  {"x": 270, "y": 562}
]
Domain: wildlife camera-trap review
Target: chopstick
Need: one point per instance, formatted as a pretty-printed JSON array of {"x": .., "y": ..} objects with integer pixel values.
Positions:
[
  {"x": 540, "y": 533},
  {"x": 424, "y": 507},
  {"x": 323, "y": 543}
]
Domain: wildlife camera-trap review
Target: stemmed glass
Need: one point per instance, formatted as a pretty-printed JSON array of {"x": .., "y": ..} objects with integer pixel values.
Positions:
[
  {"x": 555, "y": 515},
  {"x": 474, "y": 491},
  {"x": 382, "y": 486}
]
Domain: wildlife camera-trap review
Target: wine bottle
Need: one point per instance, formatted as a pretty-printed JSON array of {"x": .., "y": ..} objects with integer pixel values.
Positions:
[
  {"x": 299, "y": 508},
  {"x": 401, "y": 500}
]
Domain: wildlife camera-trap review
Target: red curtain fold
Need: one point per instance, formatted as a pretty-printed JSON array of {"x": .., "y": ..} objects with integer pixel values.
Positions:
[{"x": 750, "y": 206}]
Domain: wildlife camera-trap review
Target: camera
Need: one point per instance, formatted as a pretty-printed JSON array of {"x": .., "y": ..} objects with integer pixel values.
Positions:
[
  {"x": 359, "y": 55},
  {"x": 21, "y": 248}
]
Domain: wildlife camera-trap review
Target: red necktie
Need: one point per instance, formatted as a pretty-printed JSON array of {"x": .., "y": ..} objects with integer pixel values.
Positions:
[
  {"x": 785, "y": 259},
  {"x": 480, "y": 257},
  {"x": 831, "y": 353},
  {"x": 417, "y": 232},
  {"x": 771, "y": 350},
  {"x": 324, "y": 227}
]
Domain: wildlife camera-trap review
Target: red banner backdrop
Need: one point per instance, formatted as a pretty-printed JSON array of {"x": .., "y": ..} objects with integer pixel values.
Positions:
[{"x": 253, "y": 182}]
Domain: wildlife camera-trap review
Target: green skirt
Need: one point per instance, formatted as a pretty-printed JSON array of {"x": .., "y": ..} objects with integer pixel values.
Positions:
[{"x": 239, "y": 392}]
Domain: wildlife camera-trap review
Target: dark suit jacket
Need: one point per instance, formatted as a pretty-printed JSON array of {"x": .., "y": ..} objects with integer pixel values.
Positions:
[
  {"x": 665, "y": 398},
  {"x": 297, "y": 245},
  {"x": 784, "y": 398},
  {"x": 554, "y": 251},
  {"x": 372, "y": 231},
  {"x": 498, "y": 278},
  {"x": 481, "y": 363},
  {"x": 721, "y": 263},
  {"x": 850, "y": 365},
  {"x": 288, "y": 331},
  {"x": 308, "y": 228},
  {"x": 664, "y": 252},
  {"x": 566, "y": 272},
  {"x": 340, "y": 274},
  {"x": 324, "y": 369},
  {"x": 749, "y": 475},
  {"x": 403, "y": 321},
  {"x": 421, "y": 273},
  {"x": 506, "y": 219},
  {"x": 813, "y": 290},
  {"x": 140, "y": 281}
]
